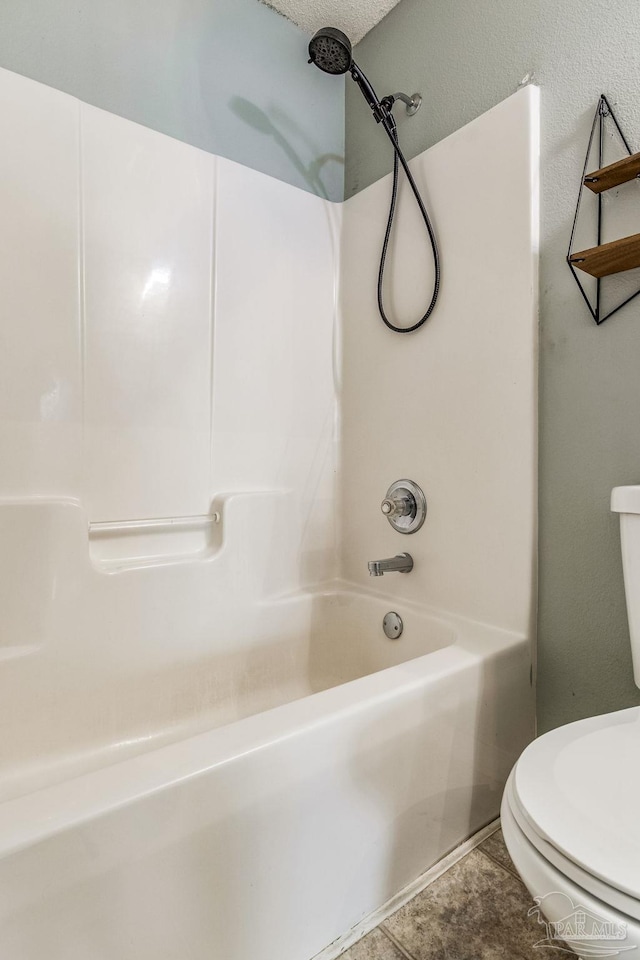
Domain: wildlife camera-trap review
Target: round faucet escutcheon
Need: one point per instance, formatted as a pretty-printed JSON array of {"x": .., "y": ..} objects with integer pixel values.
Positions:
[{"x": 405, "y": 506}]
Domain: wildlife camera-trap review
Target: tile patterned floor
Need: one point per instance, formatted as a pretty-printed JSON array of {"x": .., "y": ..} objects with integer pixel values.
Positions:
[{"x": 476, "y": 911}]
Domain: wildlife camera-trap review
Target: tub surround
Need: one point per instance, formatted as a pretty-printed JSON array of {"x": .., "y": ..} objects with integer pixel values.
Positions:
[
  {"x": 134, "y": 268},
  {"x": 454, "y": 405},
  {"x": 140, "y": 463},
  {"x": 188, "y": 347}
]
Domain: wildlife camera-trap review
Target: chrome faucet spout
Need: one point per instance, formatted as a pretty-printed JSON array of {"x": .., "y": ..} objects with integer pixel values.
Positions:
[{"x": 402, "y": 563}]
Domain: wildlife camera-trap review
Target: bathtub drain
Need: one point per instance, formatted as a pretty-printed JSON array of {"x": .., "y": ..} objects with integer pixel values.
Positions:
[{"x": 392, "y": 625}]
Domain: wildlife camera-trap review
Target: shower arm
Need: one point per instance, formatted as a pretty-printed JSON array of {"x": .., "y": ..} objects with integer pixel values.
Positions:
[
  {"x": 412, "y": 103},
  {"x": 381, "y": 109}
]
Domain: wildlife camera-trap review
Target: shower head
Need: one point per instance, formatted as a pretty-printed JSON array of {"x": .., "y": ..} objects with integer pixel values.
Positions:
[{"x": 330, "y": 50}]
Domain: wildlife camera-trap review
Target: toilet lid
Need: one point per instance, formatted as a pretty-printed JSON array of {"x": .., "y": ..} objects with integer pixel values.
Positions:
[{"x": 578, "y": 787}]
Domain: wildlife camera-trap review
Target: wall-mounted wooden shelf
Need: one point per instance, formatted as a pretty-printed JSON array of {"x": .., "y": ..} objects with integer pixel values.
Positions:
[
  {"x": 612, "y": 176},
  {"x": 608, "y": 258}
]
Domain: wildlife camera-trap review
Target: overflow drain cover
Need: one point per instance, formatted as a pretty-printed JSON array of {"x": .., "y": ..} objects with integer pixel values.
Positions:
[{"x": 392, "y": 625}]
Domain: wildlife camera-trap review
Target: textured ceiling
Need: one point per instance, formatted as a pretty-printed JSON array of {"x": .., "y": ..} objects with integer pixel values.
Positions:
[{"x": 353, "y": 17}]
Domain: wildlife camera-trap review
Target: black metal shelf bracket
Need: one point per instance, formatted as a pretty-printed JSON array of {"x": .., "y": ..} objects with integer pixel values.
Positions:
[{"x": 603, "y": 113}]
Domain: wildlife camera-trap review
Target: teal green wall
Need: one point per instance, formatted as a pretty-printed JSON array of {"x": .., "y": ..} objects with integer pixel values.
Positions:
[
  {"x": 229, "y": 76},
  {"x": 464, "y": 57}
]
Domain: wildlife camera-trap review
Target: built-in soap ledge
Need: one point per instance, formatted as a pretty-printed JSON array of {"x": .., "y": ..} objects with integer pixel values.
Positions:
[{"x": 122, "y": 544}]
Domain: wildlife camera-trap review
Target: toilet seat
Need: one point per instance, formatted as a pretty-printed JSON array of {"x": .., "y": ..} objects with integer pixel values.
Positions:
[
  {"x": 565, "y": 867},
  {"x": 558, "y": 898},
  {"x": 575, "y": 795}
]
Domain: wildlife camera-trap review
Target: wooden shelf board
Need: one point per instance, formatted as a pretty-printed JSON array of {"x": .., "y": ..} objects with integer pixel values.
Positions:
[
  {"x": 608, "y": 258},
  {"x": 612, "y": 176}
]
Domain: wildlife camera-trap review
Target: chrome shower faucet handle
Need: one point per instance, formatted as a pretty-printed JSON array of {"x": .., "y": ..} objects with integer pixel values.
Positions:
[{"x": 397, "y": 506}]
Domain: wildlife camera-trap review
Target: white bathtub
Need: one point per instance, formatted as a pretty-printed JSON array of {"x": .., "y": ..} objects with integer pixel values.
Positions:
[{"x": 270, "y": 835}]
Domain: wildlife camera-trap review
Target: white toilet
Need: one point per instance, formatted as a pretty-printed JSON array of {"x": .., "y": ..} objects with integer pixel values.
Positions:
[{"x": 571, "y": 807}]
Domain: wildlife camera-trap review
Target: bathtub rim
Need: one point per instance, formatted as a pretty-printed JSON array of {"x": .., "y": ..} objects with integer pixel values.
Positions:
[{"x": 35, "y": 816}]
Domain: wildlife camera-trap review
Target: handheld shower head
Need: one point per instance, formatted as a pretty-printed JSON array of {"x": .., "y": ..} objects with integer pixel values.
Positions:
[{"x": 330, "y": 50}]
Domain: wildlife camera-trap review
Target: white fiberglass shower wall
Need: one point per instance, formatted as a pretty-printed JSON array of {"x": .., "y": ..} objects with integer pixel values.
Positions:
[
  {"x": 453, "y": 406},
  {"x": 209, "y": 742},
  {"x": 166, "y": 395}
]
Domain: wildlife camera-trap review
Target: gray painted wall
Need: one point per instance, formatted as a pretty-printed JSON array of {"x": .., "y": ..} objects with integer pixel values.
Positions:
[
  {"x": 465, "y": 57},
  {"x": 229, "y": 76}
]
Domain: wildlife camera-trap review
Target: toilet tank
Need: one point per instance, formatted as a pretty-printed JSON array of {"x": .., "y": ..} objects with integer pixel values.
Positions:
[{"x": 626, "y": 502}]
